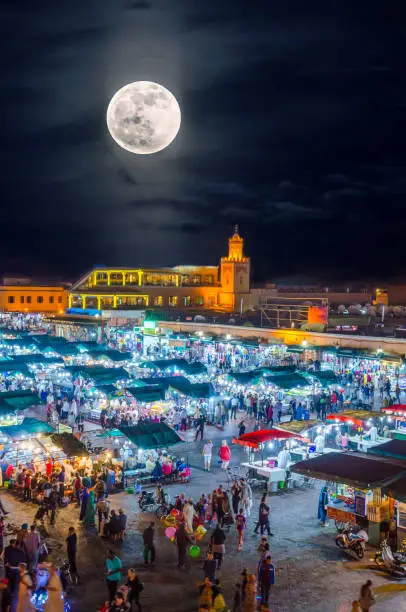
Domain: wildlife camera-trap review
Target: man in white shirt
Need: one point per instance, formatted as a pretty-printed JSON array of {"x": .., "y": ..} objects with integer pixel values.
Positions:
[{"x": 207, "y": 452}]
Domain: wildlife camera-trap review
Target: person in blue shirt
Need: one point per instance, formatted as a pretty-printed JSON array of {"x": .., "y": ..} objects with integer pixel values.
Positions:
[
  {"x": 266, "y": 576},
  {"x": 114, "y": 566},
  {"x": 322, "y": 508}
]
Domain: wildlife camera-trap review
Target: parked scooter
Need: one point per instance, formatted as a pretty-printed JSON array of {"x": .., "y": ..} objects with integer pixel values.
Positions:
[
  {"x": 394, "y": 564},
  {"x": 353, "y": 542},
  {"x": 146, "y": 501}
]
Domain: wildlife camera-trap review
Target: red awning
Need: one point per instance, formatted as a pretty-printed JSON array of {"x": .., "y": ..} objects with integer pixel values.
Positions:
[
  {"x": 345, "y": 419},
  {"x": 255, "y": 438},
  {"x": 395, "y": 408}
]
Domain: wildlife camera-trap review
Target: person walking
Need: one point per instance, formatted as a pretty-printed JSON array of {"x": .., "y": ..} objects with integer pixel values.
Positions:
[
  {"x": 240, "y": 524},
  {"x": 266, "y": 580},
  {"x": 54, "y": 602},
  {"x": 210, "y": 567},
  {"x": 200, "y": 428},
  {"x": 263, "y": 517},
  {"x": 182, "y": 540},
  {"x": 149, "y": 546},
  {"x": 114, "y": 567},
  {"x": 366, "y": 596},
  {"x": 217, "y": 543},
  {"x": 322, "y": 507},
  {"x": 71, "y": 549},
  {"x": 32, "y": 544},
  {"x": 135, "y": 588},
  {"x": 224, "y": 454},
  {"x": 13, "y": 556},
  {"x": 207, "y": 453}
]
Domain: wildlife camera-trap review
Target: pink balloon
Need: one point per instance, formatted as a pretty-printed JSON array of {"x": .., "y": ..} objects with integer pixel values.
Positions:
[{"x": 170, "y": 532}]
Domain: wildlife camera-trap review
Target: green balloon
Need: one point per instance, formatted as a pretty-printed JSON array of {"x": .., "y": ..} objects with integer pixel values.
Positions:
[{"x": 194, "y": 551}]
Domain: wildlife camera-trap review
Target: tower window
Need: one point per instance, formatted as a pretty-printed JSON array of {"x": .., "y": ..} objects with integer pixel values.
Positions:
[{"x": 11, "y": 299}]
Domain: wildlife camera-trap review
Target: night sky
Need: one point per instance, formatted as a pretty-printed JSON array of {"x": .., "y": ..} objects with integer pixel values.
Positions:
[{"x": 293, "y": 126}]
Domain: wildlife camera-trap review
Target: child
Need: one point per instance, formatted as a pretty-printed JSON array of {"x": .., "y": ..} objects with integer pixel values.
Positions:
[
  {"x": 240, "y": 523},
  {"x": 266, "y": 579},
  {"x": 237, "y": 598},
  {"x": 209, "y": 567}
]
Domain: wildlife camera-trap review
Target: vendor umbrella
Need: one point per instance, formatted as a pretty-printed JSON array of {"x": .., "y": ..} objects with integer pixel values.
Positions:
[
  {"x": 345, "y": 419},
  {"x": 255, "y": 438},
  {"x": 395, "y": 408}
]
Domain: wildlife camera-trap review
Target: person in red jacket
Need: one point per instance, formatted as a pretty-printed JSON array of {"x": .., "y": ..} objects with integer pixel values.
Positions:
[{"x": 224, "y": 454}]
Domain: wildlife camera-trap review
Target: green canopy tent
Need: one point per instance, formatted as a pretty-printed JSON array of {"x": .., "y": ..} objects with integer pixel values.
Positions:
[
  {"x": 194, "y": 368},
  {"x": 149, "y": 393},
  {"x": 69, "y": 444},
  {"x": 275, "y": 370},
  {"x": 116, "y": 356},
  {"x": 164, "y": 381},
  {"x": 19, "y": 400},
  {"x": 28, "y": 359},
  {"x": 247, "y": 378},
  {"x": 166, "y": 364},
  {"x": 28, "y": 427},
  {"x": 45, "y": 340},
  {"x": 99, "y": 374},
  {"x": 83, "y": 347},
  {"x": 197, "y": 390},
  {"x": 111, "y": 391},
  {"x": 151, "y": 435},
  {"x": 37, "y": 358},
  {"x": 326, "y": 377},
  {"x": 24, "y": 343},
  {"x": 290, "y": 381},
  {"x": 7, "y": 367}
]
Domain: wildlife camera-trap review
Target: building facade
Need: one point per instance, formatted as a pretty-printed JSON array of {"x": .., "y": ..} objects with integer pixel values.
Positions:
[
  {"x": 226, "y": 287},
  {"x": 33, "y": 298}
]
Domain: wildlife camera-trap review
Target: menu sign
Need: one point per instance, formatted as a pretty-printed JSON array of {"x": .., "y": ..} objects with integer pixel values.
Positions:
[{"x": 341, "y": 516}]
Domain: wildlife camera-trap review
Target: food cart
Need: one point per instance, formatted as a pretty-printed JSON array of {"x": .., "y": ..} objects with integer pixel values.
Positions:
[{"x": 356, "y": 485}]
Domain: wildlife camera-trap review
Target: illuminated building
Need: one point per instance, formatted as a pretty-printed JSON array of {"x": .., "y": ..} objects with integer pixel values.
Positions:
[
  {"x": 225, "y": 287},
  {"x": 19, "y": 295}
]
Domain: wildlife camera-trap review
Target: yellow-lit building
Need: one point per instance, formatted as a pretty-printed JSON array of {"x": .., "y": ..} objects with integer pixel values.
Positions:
[
  {"x": 33, "y": 298},
  {"x": 225, "y": 287}
]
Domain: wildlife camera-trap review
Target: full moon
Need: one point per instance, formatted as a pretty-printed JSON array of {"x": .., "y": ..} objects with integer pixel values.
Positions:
[{"x": 143, "y": 117}]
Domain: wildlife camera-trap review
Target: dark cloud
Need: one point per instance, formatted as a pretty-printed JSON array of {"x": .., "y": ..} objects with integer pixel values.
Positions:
[{"x": 292, "y": 126}]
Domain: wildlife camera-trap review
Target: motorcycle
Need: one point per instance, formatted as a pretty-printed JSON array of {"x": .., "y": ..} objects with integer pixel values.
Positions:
[
  {"x": 394, "y": 564},
  {"x": 146, "y": 501},
  {"x": 353, "y": 542}
]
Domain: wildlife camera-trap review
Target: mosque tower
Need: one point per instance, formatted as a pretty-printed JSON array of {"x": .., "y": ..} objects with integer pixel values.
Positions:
[{"x": 235, "y": 274}]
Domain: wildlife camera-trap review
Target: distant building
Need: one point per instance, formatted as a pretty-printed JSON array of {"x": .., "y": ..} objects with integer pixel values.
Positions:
[
  {"x": 225, "y": 287},
  {"x": 19, "y": 294}
]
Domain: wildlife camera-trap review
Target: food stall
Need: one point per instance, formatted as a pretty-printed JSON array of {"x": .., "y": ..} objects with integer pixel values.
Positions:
[
  {"x": 273, "y": 468},
  {"x": 359, "y": 429},
  {"x": 355, "y": 484},
  {"x": 312, "y": 439},
  {"x": 148, "y": 442},
  {"x": 396, "y": 420}
]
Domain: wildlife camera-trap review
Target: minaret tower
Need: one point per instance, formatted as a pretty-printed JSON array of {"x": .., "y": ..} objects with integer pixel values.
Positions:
[{"x": 234, "y": 274}]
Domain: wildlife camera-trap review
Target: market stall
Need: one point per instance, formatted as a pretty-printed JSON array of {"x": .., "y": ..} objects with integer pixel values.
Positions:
[
  {"x": 149, "y": 444},
  {"x": 355, "y": 483},
  {"x": 359, "y": 429},
  {"x": 273, "y": 468}
]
